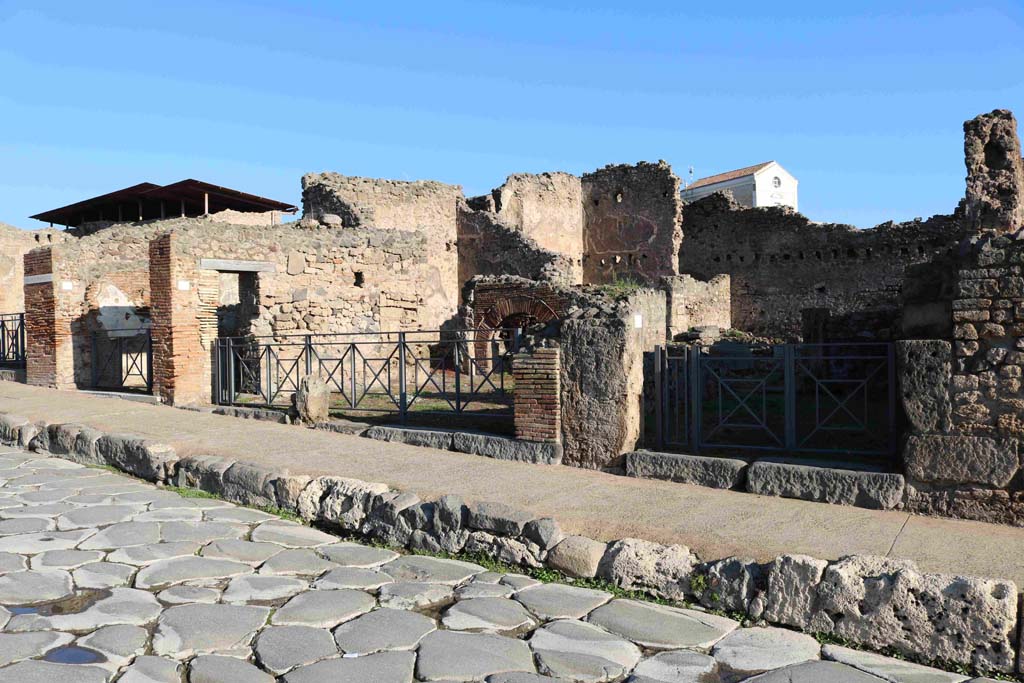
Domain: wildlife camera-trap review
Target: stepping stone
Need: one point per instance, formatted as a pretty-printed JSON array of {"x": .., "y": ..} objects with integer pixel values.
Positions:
[
  {"x": 141, "y": 555},
  {"x": 886, "y": 667},
  {"x": 218, "y": 669},
  {"x": 119, "y": 644},
  {"x": 122, "y": 606},
  {"x": 185, "y": 630},
  {"x": 282, "y": 648},
  {"x": 96, "y": 515},
  {"x": 151, "y": 669},
  {"x": 749, "y": 651},
  {"x": 409, "y": 595},
  {"x": 10, "y": 562},
  {"x": 819, "y": 672},
  {"x": 38, "y": 671},
  {"x": 292, "y": 535},
  {"x": 424, "y": 569},
  {"x": 183, "y": 595},
  {"x": 180, "y": 569},
  {"x": 201, "y": 532},
  {"x": 100, "y": 575},
  {"x": 356, "y": 555},
  {"x": 676, "y": 666},
  {"x": 31, "y": 544},
  {"x": 353, "y": 577},
  {"x": 65, "y": 559},
  {"x": 25, "y": 525},
  {"x": 383, "y": 629},
  {"x": 494, "y": 615},
  {"x": 458, "y": 656},
  {"x": 263, "y": 588},
  {"x": 300, "y": 561},
  {"x": 241, "y": 551},
  {"x": 324, "y": 609},
  {"x": 384, "y": 667},
  {"x": 239, "y": 515},
  {"x": 17, "y": 646},
  {"x": 26, "y": 588},
  {"x": 556, "y": 601},
  {"x": 582, "y": 652},
  {"x": 123, "y": 535},
  {"x": 483, "y": 590},
  {"x": 659, "y": 627}
]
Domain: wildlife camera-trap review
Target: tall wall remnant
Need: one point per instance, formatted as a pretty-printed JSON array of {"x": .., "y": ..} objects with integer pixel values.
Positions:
[
  {"x": 632, "y": 222},
  {"x": 14, "y": 244},
  {"x": 995, "y": 172}
]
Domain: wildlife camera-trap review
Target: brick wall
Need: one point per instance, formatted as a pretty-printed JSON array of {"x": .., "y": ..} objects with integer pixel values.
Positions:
[
  {"x": 538, "y": 415},
  {"x": 40, "y": 322}
]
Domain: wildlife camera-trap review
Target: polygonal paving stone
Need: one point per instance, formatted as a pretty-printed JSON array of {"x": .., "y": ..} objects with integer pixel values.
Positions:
[
  {"x": 816, "y": 672},
  {"x": 241, "y": 551},
  {"x": 384, "y": 667},
  {"x": 25, "y": 525},
  {"x": 30, "y": 544},
  {"x": 296, "y": 562},
  {"x": 141, "y": 555},
  {"x": 149, "y": 669},
  {"x": 200, "y": 532},
  {"x": 99, "y": 575},
  {"x": 121, "y": 606},
  {"x": 495, "y": 615},
  {"x": 26, "y": 588},
  {"x": 11, "y": 562},
  {"x": 424, "y": 569},
  {"x": 282, "y": 648},
  {"x": 888, "y": 668},
  {"x": 324, "y": 609},
  {"x": 522, "y": 677},
  {"x": 356, "y": 555},
  {"x": 44, "y": 496},
  {"x": 676, "y": 666},
  {"x": 460, "y": 656},
  {"x": 518, "y": 581},
  {"x": 176, "y": 501},
  {"x": 410, "y": 595},
  {"x": 17, "y": 646},
  {"x": 582, "y": 652},
  {"x": 353, "y": 577},
  {"x": 170, "y": 515},
  {"x": 556, "y": 601},
  {"x": 181, "y": 569},
  {"x": 183, "y": 595},
  {"x": 483, "y": 590},
  {"x": 291, "y": 535},
  {"x": 750, "y": 651},
  {"x": 263, "y": 588},
  {"x": 37, "y": 671},
  {"x": 659, "y": 627},
  {"x": 65, "y": 559},
  {"x": 119, "y": 644},
  {"x": 218, "y": 669},
  {"x": 383, "y": 629},
  {"x": 96, "y": 515},
  {"x": 239, "y": 515},
  {"x": 123, "y": 535},
  {"x": 48, "y": 510},
  {"x": 185, "y": 630}
]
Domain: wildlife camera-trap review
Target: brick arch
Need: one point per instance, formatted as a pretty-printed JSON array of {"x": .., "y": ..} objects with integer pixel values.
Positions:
[{"x": 521, "y": 306}]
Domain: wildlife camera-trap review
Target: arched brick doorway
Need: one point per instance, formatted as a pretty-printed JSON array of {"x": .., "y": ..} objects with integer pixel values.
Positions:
[{"x": 493, "y": 328}]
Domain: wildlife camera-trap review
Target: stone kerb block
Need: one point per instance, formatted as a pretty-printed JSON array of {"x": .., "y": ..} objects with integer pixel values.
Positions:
[
  {"x": 140, "y": 457},
  {"x": 10, "y": 429},
  {"x": 577, "y": 556},
  {"x": 925, "y": 370},
  {"x": 876, "y": 490},
  {"x": 636, "y": 564},
  {"x": 953, "y": 460},
  {"x": 719, "y": 473}
]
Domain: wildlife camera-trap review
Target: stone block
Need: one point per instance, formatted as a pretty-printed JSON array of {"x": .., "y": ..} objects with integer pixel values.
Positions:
[
  {"x": 508, "y": 550},
  {"x": 263, "y": 414},
  {"x": 792, "y": 589},
  {"x": 498, "y": 518},
  {"x": 875, "y": 490},
  {"x": 953, "y": 460},
  {"x": 504, "y": 448},
  {"x": 145, "y": 459},
  {"x": 577, "y": 556},
  {"x": 429, "y": 438},
  {"x": 925, "y": 374},
  {"x": 10, "y": 428},
  {"x": 62, "y": 438},
  {"x": 635, "y": 564},
  {"x": 287, "y": 490},
  {"x": 251, "y": 484},
  {"x": 719, "y": 473},
  {"x": 339, "y": 501},
  {"x": 311, "y": 402},
  {"x": 205, "y": 472},
  {"x": 735, "y": 583},
  {"x": 84, "y": 450},
  {"x": 545, "y": 532}
]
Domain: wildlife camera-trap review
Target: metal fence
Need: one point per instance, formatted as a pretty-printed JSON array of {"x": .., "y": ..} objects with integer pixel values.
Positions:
[
  {"x": 421, "y": 372},
  {"x": 12, "y": 339},
  {"x": 122, "y": 360},
  {"x": 814, "y": 398}
]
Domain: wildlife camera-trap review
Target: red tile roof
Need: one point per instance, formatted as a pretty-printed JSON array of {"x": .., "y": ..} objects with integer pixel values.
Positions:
[{"x": 729, "y": 175}]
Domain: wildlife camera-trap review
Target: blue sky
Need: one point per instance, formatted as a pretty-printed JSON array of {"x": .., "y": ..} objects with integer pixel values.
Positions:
[{"x": 863, "y": 102}]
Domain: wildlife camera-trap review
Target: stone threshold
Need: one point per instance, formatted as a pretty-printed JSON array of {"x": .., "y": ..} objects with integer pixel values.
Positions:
[
  {"x": 817, "y": 481},
  {"x": 933, "y": 617}
]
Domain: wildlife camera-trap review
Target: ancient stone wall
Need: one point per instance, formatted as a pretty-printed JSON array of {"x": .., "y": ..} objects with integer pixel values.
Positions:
[
  {"x": 780, "y": 262},
  {"x": 14, "y": 244},
  {"x": 632, "y": 223},
  {"x": 696, "y": 303},
  {"x": 995, "y": 172}
]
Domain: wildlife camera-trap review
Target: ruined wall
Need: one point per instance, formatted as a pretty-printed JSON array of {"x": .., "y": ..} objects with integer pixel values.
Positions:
[
  {"x": 696, "y": 303},
  {"x": 632, "y": 223},
  {"x": 995, "y": 172},
  {"x": 14, "y": 244},
  {"x": 780, "y": 262},
  {"x": 424, "y": 206}
]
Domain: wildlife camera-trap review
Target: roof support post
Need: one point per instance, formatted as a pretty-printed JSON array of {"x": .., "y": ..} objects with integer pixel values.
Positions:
[
  {"x": 140, "y": 209},
  {"x": 206, "y": 203},
  {"x": 182, "y": 208}
]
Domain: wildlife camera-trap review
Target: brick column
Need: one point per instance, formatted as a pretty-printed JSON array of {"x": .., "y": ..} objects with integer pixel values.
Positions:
[
  {"x": 536, "y": 399},
  {"x": 181, "y": 363},
  {"x": 49, "y": 352}
]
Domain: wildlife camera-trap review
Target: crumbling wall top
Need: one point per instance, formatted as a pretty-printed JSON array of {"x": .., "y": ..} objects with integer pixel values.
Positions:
[{"x": 995, "y": 172}]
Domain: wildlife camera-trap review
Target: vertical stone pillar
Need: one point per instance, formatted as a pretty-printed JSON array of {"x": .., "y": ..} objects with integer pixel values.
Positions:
[
  {"x": 995, "y": 172},
  {"x": 536, "y": 399},
  {"x": 181, "y": 364},
  {"x": 49, "y": 348}
]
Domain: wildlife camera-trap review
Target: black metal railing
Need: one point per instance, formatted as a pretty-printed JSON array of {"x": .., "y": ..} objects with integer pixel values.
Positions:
[
  {"x": 122, "y": 359},
  {"x": 12, "y": 339},
  {"x": 813, "y": 398},
  {"x": 422, "y": 372}
]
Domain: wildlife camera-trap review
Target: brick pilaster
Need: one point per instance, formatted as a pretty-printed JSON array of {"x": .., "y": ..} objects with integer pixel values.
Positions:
[{"x": 536, "y": 397}]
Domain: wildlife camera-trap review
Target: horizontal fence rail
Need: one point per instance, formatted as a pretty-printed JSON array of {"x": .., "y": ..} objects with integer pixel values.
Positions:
[
  {"x": 422, "y": 372},
  {"x": 813, "y": 398},
  {"x": 122, "y": 359},
  {"x": 12, "y": 339}
]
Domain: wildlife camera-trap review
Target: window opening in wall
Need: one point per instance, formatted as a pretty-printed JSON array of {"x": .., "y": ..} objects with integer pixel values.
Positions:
[
  {"x": 358, "y": 280},
  {"x": 776, "y": 181},
  {"x": 618, "y": 197}
]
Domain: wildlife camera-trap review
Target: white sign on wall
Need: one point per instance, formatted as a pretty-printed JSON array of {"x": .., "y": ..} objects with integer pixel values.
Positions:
[
  {"x": 638, "y": 321},
  {"x": 184, "y": 285},
  {"x": 67, "y": 285}
]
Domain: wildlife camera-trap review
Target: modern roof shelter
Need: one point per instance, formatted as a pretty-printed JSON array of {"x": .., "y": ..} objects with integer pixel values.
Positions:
[{"x": 147, "y": 201}]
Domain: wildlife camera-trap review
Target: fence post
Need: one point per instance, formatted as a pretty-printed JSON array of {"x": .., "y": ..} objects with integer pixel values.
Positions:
[
  {"x": 891, "y": 360},
  {"x": 149, "y": 361},
  {"x": 695, "y": 387},
  {"x": 269, "y": 384},
  {"x": 3, "y": 342},
  {"x": 352, "y": 375},
  {"x": 22, "y": 354},
  {"x": 660, "y": 398},
  {"x": 458, "y": 377},
  {"x": 402, "y": 402},
  {"x": 789, "y": 373},
  {"x": 309, "y": 354}
]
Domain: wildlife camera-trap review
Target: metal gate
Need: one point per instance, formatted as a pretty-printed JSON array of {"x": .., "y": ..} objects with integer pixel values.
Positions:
[
  {"x": 122, "y": 360},
  {"x": 814, "y": 398},
  {"x": 12, "y": 339}
]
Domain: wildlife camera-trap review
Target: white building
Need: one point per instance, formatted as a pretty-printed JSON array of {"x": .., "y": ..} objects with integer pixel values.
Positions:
[{"x": 766, "y": 184}]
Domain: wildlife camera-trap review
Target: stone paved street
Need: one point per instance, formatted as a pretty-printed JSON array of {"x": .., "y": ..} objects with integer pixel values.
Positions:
[{"x": 103, "y": 578}]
